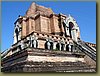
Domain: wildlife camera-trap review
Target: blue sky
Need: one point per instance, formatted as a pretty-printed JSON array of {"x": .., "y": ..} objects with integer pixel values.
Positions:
[{"x": 83, "y": 12}]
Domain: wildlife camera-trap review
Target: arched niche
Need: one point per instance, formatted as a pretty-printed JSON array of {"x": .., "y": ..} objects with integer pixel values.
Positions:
[
  {"x": 71, "y": 25},
  {"x": 17, "y": 32},
  {"x": 72, "y": 29}
]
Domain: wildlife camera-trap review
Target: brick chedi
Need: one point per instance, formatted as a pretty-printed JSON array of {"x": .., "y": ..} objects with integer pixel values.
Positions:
[{"x": 48, "y": 42}]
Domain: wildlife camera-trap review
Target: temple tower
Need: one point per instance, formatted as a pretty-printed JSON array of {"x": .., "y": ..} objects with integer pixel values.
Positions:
[
  {"x": 41, "y": 19},
  {"x": 48, "y": 42}
]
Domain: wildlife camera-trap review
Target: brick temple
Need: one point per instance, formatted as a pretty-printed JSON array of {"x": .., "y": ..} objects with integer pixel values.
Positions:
[{"x": 48, "y": 42}]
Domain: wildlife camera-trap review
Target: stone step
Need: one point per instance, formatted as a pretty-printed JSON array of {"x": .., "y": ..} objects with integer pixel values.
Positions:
[
  {"x": 49, "y": 67},
  {"x": 40, "y": 55}
]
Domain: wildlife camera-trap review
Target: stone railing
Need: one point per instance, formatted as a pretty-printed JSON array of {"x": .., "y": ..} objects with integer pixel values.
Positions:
[
  {"x": 86, "y": 49},
  {"x": 91, "y": 44}
]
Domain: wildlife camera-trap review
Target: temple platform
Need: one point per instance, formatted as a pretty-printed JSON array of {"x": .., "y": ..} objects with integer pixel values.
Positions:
[{"x": 42, "y": 60}]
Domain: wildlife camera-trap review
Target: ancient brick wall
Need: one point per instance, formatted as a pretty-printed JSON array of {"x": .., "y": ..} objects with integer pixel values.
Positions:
[
  {"x": 41, "y": 44},
  {"x": 45, "y": 24},
  {"x": 37, "y": 25},
  {"x": 42, "y": 20},
  {"x": 56, "y": 26},
  {"x": 23, "y": 28},
  {"x": 34, "y": 8}
]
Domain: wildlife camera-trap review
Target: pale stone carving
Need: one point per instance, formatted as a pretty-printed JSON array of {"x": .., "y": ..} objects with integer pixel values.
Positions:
[
  {"x": 22, "y": 44},
  {"x": 74, "y": 32},
  {"x": 54, "y": 45},
  {"x": 34, "y": 42},
  {"x": 48, "y": 43},
  {"x": 17, "y": 32}
]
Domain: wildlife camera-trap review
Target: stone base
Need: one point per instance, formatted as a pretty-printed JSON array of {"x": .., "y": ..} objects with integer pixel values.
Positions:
[
  {"x": 30, "y": 66},
  {"x": 40, "y": 60}
]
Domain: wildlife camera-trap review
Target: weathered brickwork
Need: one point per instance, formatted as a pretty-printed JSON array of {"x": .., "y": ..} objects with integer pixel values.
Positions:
[{"x": 48, "y": 42}]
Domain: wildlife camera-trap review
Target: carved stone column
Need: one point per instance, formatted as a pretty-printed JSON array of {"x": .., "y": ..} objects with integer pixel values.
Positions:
[
  {"x": 62, "y": 42},
  {"x": 66, "y": 28},
  {"x": 15, "y": 39},
  {"x": 70, "y": 46},
  {"x": 78, "y": 32},
  {"x": 65, "y": 47},
  {"x": 67, "y": 31},
  {"x": 54, "y": 45},
  {"x": 74, "y": 34},
  {"x": 60, "y": 46},
  {"x": 22, "y": 44},
  {"x": 34, "y": 41},
  {"x": 18, "y": 49},
  {"x": 29, "y": 42},
  {"x": 48, "y": 45},
  {"x": 17, "y": 32}
]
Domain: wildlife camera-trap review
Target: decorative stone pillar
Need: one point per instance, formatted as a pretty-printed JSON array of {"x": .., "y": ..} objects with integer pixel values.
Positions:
[
  {"x": 60, "y": 46},
  {"x": 22, "y": 44},
  {"x": 62, "y": 42},
  {"x": 48, "y": 45},
  {"x": 29, "y": 42},
  {"x": 15, "y": 39},
  {"x": 78, "y": 32},
  {"x": 69, "y": 48},
  {"x": 17, "y": 32},
  {"x": 54, "y": 45},
  {"x": 66, "y": 28},
  {"x": 65, "y": 47},
  {"x": 34, "y": 41},
  {"x": 18, "y": 49},
  {"x": 74, "y": 35}
]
